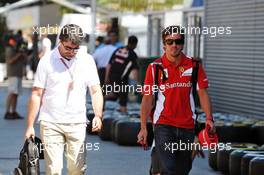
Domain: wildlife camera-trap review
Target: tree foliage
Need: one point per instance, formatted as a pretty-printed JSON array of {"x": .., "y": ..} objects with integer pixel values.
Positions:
[{"x": 139, "y": 5}]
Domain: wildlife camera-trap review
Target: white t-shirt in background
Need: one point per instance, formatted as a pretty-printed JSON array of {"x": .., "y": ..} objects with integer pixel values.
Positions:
[{"x": 47, "y": 44}]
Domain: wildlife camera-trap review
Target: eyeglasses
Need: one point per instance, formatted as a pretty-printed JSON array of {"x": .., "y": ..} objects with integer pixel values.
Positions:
[
  {"x": 176, "y": 41},
  {"x": 70, "y": 49}
]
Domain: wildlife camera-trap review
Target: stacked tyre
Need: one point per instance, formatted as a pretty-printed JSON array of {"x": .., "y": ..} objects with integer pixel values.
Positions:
[
  {"x": 114, "y": 126},
  {"x": 105, "y": 133},
  {"x": 258, "y": 132},
  {"x": 234, "y": 132},
  {"x": 256, "y": 166},
  {"x": 123, "y": 129},
  {"x": 234, "y": 129},
  {"x": 212, "y": 159},
  {"x": 223, "y": 155},
  {"x": 235, "y": 159},
  {"x": 245, "y": 162},
  {"x": 108, "y": 124},
  {"x": 126, "y": 132}
]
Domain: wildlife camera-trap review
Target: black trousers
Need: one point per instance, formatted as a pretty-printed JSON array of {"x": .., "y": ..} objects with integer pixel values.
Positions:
[
  {"x": 173, "y": 148},
  {"x": 101, "y": 74},
  {"x": 119, "y": 89}
]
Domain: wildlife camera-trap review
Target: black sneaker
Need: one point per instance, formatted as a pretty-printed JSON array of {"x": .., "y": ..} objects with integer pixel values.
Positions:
[
  {"x": 9, "y": 116},
  {"x": 17, "y": 116}
]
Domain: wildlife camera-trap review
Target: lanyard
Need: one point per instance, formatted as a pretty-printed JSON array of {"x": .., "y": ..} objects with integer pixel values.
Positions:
[
  {"x": 68, "y": 69},
  {"x": 71, "y": 74}
]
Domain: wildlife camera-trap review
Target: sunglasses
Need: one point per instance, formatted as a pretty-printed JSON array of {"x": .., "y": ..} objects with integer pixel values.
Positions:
[
  {"x": 176, "y": 41},
  {"x": 70, "y": 49}
]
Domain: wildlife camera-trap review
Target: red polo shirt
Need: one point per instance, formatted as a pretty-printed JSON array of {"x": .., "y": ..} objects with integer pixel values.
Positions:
[{"x": 175, "y": 104}]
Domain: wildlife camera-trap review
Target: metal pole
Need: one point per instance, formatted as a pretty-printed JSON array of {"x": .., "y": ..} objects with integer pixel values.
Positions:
[
  {"x": 158, "y": 37},
  {"x": 195, "y": 36},
  {"x": 92, "y": 35},
  {"x": 149, "y": 35}
]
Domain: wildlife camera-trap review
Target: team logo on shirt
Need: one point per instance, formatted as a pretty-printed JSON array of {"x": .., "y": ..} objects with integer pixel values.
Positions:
[
  {"x": 187, "y": 72},
  {"x": 181, "y": 69}
]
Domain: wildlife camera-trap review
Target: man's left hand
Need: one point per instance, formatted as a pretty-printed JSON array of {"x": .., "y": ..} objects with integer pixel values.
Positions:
[
  {"x": 96, "y": 124},
  {"x": 210, "y": 124}
]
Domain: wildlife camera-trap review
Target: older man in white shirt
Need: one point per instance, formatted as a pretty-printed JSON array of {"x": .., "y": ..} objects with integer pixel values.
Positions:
[{"x": 59, "y": 94}]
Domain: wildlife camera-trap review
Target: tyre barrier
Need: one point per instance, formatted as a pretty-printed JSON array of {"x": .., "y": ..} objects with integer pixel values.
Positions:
[
  {"x": 219, "y": 125},
  {"x": 108, "y": 112},
  {"x": 134, "y": 114},
  {"x": 105, "y": 133},
  {"x": 212, "y": 160},
  {"x": 111, "y": 105},
  {"x": 256, "y": 166},
  {"x": 220, "y": 116},
  {"x": 223, "y": 159},
  {"x": 246, "y": 160},
  {"x": 113, "y": 127},
  {"x": 261, "y": 148},
  {"x": 133, "y": 107},
  {"x": 258, "y": 132},
  {"x": 126, "y": 132},
  {"x": 249, "y": 121},
  {"x": 235, "y": 160},
  {"x": 234, "y": 132},
  {"x": 224, "y": 154}
]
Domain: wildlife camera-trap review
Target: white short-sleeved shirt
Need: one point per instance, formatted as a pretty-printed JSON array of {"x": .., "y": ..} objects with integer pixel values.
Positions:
[{"x": 59, "y": 103}]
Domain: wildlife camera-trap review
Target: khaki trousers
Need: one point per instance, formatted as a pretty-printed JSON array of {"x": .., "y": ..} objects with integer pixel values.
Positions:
[{"x": 63, "y": 138}]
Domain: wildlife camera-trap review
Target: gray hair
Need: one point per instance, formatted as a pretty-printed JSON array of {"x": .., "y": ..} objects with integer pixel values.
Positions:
[{"x": 73, "y": 33}]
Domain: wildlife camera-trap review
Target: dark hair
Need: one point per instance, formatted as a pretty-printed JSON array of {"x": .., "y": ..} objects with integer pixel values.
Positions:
[
  {"x": 100, "y": 39},
  {"x": 132, "y": 39},
  {"x": 73, "y": 33},
  {"x": 112, "y": 31},
  {"x": 172, "y": 30},
  {"x": 107, "y": 40},
  {"x": 19, "y": 32}
]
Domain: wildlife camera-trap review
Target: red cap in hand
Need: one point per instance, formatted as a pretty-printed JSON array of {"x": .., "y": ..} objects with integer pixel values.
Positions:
[{"x": 208, "y": 139}]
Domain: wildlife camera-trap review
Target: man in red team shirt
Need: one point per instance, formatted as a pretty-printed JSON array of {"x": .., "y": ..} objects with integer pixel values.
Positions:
[{"x": 173, "y": 114}]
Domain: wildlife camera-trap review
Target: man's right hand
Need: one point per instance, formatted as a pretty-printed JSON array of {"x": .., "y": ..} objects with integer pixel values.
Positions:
[
  {"x": 30, "y": 132},
  {"x": 142, "y": 136}
]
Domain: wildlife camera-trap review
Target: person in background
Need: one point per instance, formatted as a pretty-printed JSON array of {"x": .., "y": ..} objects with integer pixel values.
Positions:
[
  {"x": 113, "y": 36},
  {"x": 122, "y": 63},
  {"x": 99, "y": 42},
  {"x": 19, "y": 36},
  {"x": 45, "y": 45},
  {"x": 29, "y": 71},
  {"x": 16, "y": 58},
  {"x": 102, "y": 57},
  {"x": 5, "y": 37}
]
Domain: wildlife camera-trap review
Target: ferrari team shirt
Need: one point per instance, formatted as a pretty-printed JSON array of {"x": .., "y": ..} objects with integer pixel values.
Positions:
[{"x": 175, "y": 104}]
